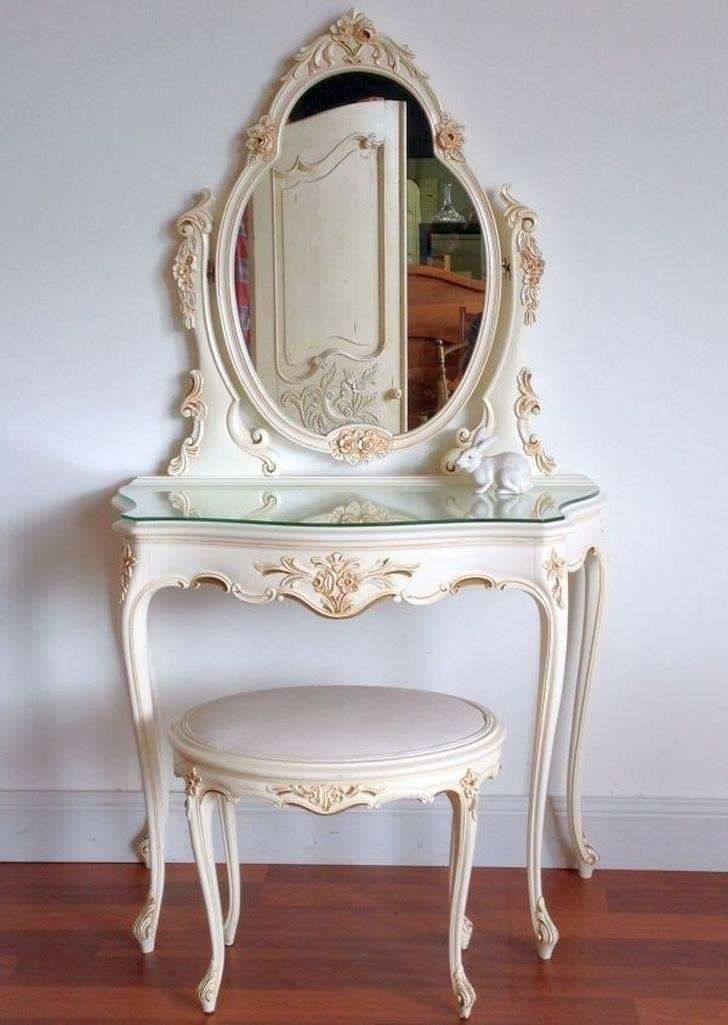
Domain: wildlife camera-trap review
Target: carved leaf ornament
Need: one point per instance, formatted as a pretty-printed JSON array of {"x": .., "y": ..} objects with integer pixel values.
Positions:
[{"x": 334, "y": 578}]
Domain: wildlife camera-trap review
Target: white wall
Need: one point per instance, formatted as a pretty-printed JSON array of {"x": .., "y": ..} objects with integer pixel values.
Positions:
[{"x": 609, "y": 118}]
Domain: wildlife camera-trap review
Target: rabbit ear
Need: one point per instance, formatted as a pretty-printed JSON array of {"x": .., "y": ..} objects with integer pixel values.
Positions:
[{"x": 481, "y": 438}]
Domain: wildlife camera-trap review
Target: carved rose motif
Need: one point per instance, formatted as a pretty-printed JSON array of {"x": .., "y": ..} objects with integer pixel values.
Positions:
[
  {"x": 361, "y": 512},
  {"x": 335, "y": 578},
  {"x": 471, "y": 785},
  {"x": 324, "y": 580},
  {"x": 450, "y": 137},
  {"x": 260, "y": 137},
  {"x": 324, "y": 797},
  {"x": 192, "y": 782},
  {"x": 359, "y": 445},
  {"x": 353, "y": 40},
  {"x": 128, "y": 562},
  {"x": 522, "y": 217},
  {"x": 353, "y": 30},
  {"x": 556, "y": 569}
]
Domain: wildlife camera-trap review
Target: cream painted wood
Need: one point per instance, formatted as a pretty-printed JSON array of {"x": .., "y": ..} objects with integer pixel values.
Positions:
[
  {"x": 200, "y": 806},
  {"x": 232, "y": 860},
  {"x": 237, "y": 433},
  {"x": 327, "y": 749},
  {"x": 334, "y": 199},
  {"x": 338, "y": 572},
  {"x": 237, "y": 430},
  {"x": 586, "y": 599}
]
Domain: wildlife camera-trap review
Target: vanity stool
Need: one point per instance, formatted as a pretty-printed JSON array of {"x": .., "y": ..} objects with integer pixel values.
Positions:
[{"x": 326, "y": 749}]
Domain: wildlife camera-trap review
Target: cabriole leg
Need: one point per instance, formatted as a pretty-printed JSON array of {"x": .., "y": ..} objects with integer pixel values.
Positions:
[
  {"x": 199, "y": 816},
  {"x": 553, "y": 626},
  {"x": 465, "y": 810},
  {"x": 454, "y": 848},
  {"x": 230, "y": 838},
  {"x": 590, "y": 581},
  {"x": 141, "y": 694}
]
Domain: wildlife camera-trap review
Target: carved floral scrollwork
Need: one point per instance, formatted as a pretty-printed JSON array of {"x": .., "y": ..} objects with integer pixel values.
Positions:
[
  {"x": 260, "y": 138},
  {"x": 353, "y": 39},
  {"x": 324, "y": 798},
  {"x": 470, "y": 784},
  {"x": 128, "y": 562},
  {"x": 194, "y": 407},
  {"x": 144, "y": 923},
  {"x": 207, "y": 989},
  {"x": 527, "y": 405},
  {"x": 334, "y": 578},
  {"x": 354, "y": 513},
  {"x": 192, "y": 783},
  {"x": 450, "y": 137},
  {"x": 556, "y": 570},
  {"x": 330, "y": 403},
  {"x": 532, "y": 261},
  {"x": 356, "y": 445},
  {"x": 548, "y": 934},
  {"x": 194, "y": 222},
  {"x": 588, "y": 853},
  {"x": 464, "y": 992}
]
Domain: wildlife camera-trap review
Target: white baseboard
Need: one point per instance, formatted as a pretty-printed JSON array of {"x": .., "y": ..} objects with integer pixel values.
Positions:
[{"x": 639, "y": 832}]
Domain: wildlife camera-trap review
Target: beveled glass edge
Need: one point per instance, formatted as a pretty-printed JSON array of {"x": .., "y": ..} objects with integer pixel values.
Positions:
[{"x": 125, "y": 504}]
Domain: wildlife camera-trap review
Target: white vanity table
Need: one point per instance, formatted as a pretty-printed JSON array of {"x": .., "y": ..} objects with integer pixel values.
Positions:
[{"x": 319, "y": 467}]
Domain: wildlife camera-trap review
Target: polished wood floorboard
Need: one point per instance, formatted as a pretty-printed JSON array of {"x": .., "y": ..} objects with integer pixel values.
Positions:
[{"x": 340, "y": 945}]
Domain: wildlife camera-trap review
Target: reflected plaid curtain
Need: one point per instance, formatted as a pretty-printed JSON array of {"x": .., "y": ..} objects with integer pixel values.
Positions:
[{"x": 242, "y": 276}]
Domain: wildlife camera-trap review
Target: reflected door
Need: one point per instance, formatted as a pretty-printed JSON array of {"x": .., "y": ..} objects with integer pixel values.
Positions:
[{"x": 329, "y": 236}]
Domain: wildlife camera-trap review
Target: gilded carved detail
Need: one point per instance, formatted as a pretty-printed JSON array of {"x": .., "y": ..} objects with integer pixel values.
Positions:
[
  {"x": 207, "y": 990},
  {"x": 464, "y": 992},
  {"x": 324, "y": 798},
  {"x": 556, "y": 571},
  {"x": 470, "y": 784},
  {"x": 524, "y": 219},
  {"x": 194, "y": 408},
  {"x": 527, "y": 405},
  {"x": 587, "y": 852},
  {"x": 353, "y": 40},
  {"x": 260, "y": 138},
  {"x": 192, "y": 782},
  {"x": 335, "y": 578},
  {"x": 144, "y": 924},
  {"x": 324, "y": 406},
  {"x": 548, "y": 935},
  {"x": 354, "y": 513},
  {"x": 128, "y": 562},
  {"x": 143, "y": 849},
  {"x": 356, "y": 445},
  {"x": 191, "y": 225},
  {"x": 450, "y": 137}
]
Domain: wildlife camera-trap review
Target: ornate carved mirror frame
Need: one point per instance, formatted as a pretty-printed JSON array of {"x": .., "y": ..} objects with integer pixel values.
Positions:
[{"x": 237, "y": 431}]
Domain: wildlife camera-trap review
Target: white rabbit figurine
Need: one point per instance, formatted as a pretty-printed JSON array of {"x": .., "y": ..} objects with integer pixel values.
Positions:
[{"x": 508, "y": 473}]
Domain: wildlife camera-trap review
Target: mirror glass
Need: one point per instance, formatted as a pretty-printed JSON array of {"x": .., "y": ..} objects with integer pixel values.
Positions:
[{"x": 359, "y": 263}]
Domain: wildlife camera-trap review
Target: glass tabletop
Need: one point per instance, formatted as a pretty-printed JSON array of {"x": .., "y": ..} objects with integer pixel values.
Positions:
[{"x": 346, "y": 505}]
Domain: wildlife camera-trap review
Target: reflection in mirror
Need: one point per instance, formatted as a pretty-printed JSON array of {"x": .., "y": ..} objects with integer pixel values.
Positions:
[{"x": 359, "y": 267}]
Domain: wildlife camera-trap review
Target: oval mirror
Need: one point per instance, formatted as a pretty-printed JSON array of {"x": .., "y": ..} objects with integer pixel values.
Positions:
[{"x": 360, "y": 264}]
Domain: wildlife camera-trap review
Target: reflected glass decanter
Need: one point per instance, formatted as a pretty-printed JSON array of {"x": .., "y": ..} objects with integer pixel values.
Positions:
[{"x": 447, "y": 212}]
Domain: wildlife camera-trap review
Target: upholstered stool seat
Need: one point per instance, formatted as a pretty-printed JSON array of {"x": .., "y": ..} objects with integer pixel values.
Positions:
[{"x": 326, "y": 749}]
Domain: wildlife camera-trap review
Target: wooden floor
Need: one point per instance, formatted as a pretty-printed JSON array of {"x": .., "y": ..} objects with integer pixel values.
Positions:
[{"x": 364, "y": 946}]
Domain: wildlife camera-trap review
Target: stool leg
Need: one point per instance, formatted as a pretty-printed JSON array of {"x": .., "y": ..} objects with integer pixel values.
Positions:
[
  {"x": 454, "y": 844},
  {"x": 199, "y": 816},
  {"x": 464, "y": 805},
  {"x": 230, "y": 837}
]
